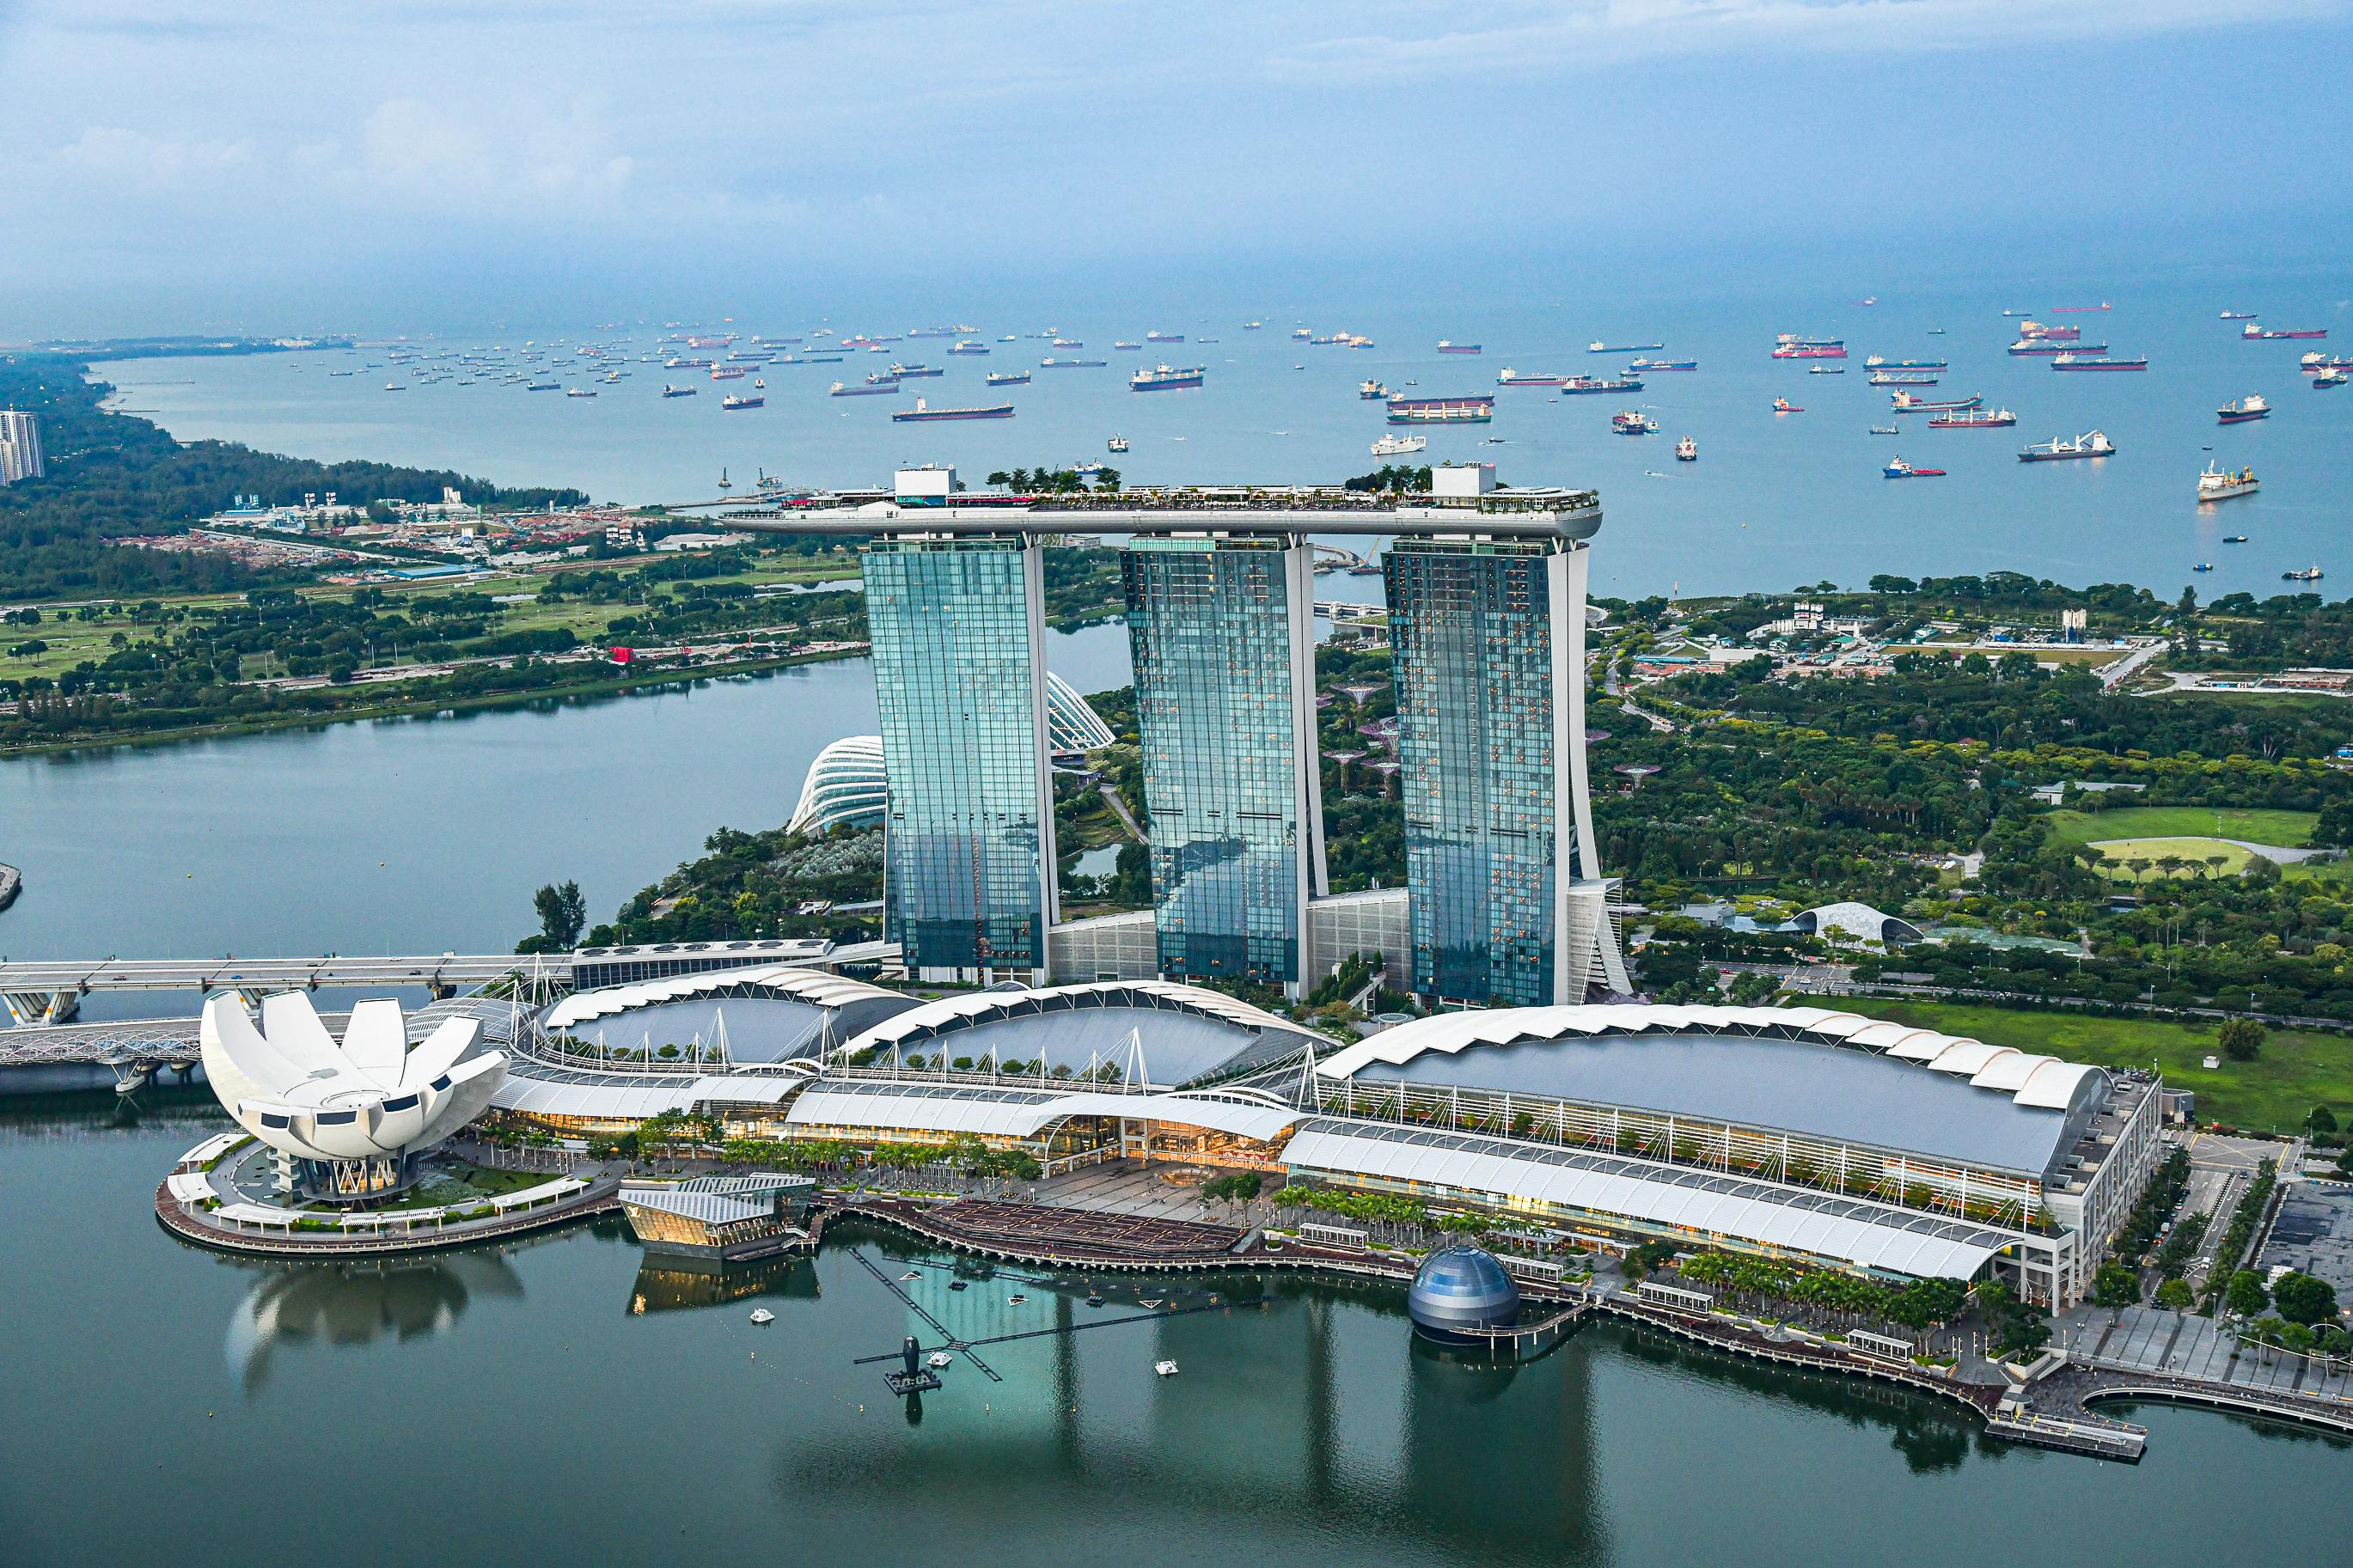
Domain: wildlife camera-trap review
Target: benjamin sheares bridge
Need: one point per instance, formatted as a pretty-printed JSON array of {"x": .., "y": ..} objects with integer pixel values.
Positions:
[{"x": 1485, "y": 586}]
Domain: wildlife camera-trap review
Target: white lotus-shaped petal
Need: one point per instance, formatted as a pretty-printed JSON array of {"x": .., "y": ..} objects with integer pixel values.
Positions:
[{"x": 292, "y": 1084}]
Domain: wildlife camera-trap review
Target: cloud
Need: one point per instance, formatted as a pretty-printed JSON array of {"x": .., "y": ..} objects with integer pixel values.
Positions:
[
  {"x": 112, "y": 156},
  {"x": 460, "y": 153},
  {"x": 1551, "y": 35}
]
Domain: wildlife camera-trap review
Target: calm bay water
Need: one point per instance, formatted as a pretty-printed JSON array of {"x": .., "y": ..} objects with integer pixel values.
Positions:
[
  {"x": 518, "y": 1406},
  {"x": 418, "y": 835},
  {"x": 1775, "y": 501}
]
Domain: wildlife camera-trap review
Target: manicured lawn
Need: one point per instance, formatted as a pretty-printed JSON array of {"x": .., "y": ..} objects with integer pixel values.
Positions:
[
  {"x": 2123, "y": 851},
  {"x": 2295, "y": 1071},
  {"x": 2289, "y": 829}
]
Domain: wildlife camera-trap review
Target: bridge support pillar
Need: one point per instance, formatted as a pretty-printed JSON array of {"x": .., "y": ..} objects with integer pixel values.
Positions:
[{"x": 31, "y": 1009}]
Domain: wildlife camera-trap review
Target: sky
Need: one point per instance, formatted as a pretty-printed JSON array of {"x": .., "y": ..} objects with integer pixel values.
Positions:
[{"x": 380, "y": 164}]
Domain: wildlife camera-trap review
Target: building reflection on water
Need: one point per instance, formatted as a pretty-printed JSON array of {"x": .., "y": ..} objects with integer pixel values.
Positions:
[
  {"x": 358, "y": 1302},
  {"x": 1310, "y": 1403},
  {"x": 677, "y": 1284}
]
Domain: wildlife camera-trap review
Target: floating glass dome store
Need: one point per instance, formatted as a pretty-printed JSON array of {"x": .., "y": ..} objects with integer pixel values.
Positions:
[{"x": 1822, "y": 1137}]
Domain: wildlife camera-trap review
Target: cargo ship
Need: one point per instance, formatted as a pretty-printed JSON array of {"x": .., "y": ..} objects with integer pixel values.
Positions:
[
  {"x": 923, "y": 413},
  {"x": 2049, "y": 334},
  {"x": 1973, "y": 419},
  {"x": 1008, "y": 378},
  {"x": 968, "y": 348},
  {"x": 843, "y": 389},
  {"x": 1123, "y": 346},
  {"x": 1597, "y": 347},
  {"x": 1073, "y": 364},
  {"x": 1629, "y": 423},
  {"x": 1898, "y": 468},
  {"x": 545, "y": 387},
  {"x": 2240, "y": 411},
  {"x": 2079, "y": 309},
  {"x": 2238, "y": 315},
  {"x": 731, "y": 402},
  {"x": 1783, "y": 405},
  {"x": 2253, "y": 333},
  {"x": 2313, "y": 360},
  {"x": 2333, "y": 376},
  {"x": 2092, "y": 444},
  {"x": 1449, "y": 346},
  {"x": 1400, "y": 446},
  {"x": 728, "y": 373},
  {"x": 1476, "y": 409},
  {"x": 1637, "y": 367},
  {"x": 1067, "y": 343},
  {"x": 2219, "y": 484},
  {"x": 1789, "y": 348},
  {"x": 678, "y": 391},
  {"x": 909, "y": 372},
  {"x": 1166, "y": 378},
  {"x": 1373, "y": 390},
  {"x": 2055, "y": 346},
  {"x": 1579, "y": 385},
  {"x": 1686, "y": 450},
  {"x": 1881, "y": 362},
  {"x": 2098, "y": 361},
  {"x": 1826, "y": 370},
  {"x": 1164, "y": 337},
  {"x": 1117, "y": 444},
  {"x": 2309, "y": 574},
  {"x": 1881, "y": 378},
  {"x": 1511, "y": 377}
]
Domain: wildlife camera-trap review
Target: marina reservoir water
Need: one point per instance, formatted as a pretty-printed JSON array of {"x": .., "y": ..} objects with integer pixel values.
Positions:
[
  {"x": 419, "y": 834},
  {"x": 1774, "y": 501},
  {"x": 557, "y": 1400}
]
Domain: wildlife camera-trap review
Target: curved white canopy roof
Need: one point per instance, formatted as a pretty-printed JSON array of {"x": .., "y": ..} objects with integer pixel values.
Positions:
[
  {"x": 292, "y": 1086},
  {"x": 785, "y": 981},
  {"x": 2035, "y": 1081},
  {"x": 1493, "y": 1171},
  {"x": 1004, "y": 1112},
  {"x": 951, "y": 1012}
]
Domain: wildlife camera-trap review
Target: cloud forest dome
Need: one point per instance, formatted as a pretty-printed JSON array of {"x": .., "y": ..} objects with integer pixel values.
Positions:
[{"x": 1806, "y": 1071}]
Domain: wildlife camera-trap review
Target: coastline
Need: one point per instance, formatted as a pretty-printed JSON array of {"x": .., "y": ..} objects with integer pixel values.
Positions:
[{"x": 419, "y": 705}]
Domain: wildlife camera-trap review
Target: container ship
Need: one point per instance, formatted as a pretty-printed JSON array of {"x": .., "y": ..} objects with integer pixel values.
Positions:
[
  {"x": 1905, "y": 403},
  {"x": 2055, "y": 346},
  {"x": 2220, "y": 484},
  {"x": 750, "y": 400},
  {"x": 2241, "y": 411},
  {"x": 1449, "y": 346},
  {"x": 1476, "y": 409},
  {"x": 1166, "y": 378},
  {"x": 1597, "y": 347},
  {"x": 2092, "y": 444},
  {"x": 1898, "y": 468},
  {"x": 2253, "y": 333},
  {"x": 1073, "y": 364},
  {"x": 922, "y": 413},
  {"x": 1881, "y": 362},
  {"x": 2098, "y": 362},
  {"x": 1577, "y": 385},
  {"x": 870, "y": 389},
  {"x": 1637, "y": 367},
  {"x": 1629, "y": 423},
  {"x": 1008, "y": 378},
  {"x": 1973, "y": 419}
]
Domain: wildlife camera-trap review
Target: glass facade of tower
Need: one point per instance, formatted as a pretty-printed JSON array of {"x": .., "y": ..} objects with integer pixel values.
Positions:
[
  {"x": 1471, "y": 635},
  {"x": 956, "y": 676},
  {"x": 1210, "y": 627}
]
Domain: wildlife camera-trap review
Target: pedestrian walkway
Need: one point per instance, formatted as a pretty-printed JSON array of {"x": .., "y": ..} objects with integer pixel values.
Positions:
[{"x": 2181, "y": 1344}]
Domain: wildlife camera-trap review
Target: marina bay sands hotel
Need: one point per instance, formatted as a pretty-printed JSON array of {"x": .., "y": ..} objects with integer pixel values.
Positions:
[{"x": 1485, "y": 586}]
